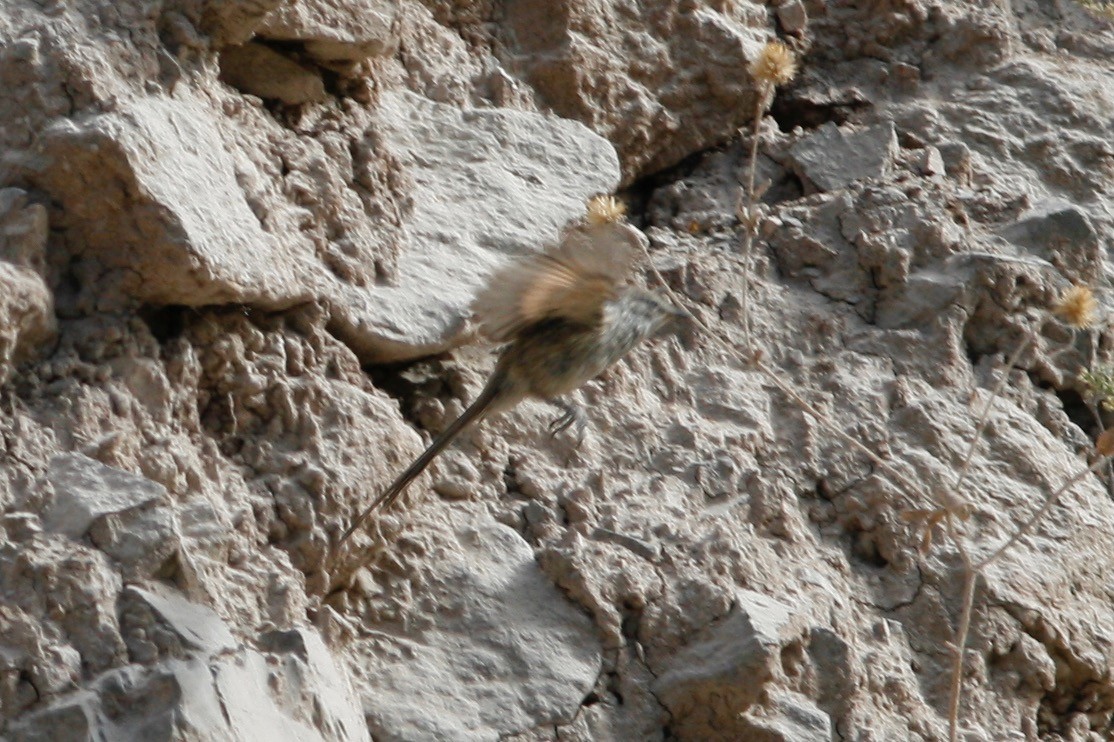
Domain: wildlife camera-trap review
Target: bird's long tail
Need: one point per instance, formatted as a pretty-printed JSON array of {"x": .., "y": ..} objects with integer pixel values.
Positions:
[{"x": 475, "y": 412}]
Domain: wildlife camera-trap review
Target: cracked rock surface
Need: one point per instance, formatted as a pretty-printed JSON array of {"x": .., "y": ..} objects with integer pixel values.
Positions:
[{"x": 238, "y": 244}]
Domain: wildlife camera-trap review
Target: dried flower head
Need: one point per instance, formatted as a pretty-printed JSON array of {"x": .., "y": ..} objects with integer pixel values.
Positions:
[
  {"x": 750, "y": 217},
  {"x": 1077, "y": 306},
  {"x": 776, "y": 64},
  {"x": 606, "y": 210}
]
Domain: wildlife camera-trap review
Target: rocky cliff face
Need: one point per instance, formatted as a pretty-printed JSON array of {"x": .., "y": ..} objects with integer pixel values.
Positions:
[{"x": 228, "y": 229}]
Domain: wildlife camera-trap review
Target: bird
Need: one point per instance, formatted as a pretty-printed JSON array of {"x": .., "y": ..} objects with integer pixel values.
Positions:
[{"x": 565, "y": 314}]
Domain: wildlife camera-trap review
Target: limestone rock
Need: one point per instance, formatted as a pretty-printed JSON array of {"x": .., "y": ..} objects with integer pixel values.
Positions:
[
  {"x": 724, "y": 671},
  {"x": 187, "y": 235},
  {"x": 534, "y": 173},
  {"x": 191, "y": 236},
  {"x": 1060, "y": 231},
  {"x": 833, "y": 158},
  {"x": 314, "y": 680},
  {"x": 288, "y": 696},
  {"x": 232, "y": 22},
  {"x": 259, "y": 70},
  {"x": 26, "y": 304},
  {"x": 73, "y": 718},
  {"x": 658, "y": 82},
  {"x": 85, "y": 490},
  {"x": 335, "y": 31},
  {"x": 184, "y": 627},
  {"x": 500, "y": 650},
  {"x": 789, "y": 717},
  {"x": 792, "y": 16}
]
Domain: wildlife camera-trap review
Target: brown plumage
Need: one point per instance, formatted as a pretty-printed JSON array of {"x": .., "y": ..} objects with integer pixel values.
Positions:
[{"x": 566, "y": 315}]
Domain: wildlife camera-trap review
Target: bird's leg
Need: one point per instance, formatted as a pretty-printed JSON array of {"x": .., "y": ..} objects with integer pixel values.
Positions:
[{"x": 574, "y": 416}]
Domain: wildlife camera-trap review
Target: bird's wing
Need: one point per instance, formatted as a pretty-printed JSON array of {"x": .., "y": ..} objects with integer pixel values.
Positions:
[{"x": 571, "y": 280}]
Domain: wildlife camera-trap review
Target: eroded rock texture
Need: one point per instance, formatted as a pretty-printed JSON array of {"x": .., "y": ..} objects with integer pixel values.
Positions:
[{"x": 238, "y": 242}]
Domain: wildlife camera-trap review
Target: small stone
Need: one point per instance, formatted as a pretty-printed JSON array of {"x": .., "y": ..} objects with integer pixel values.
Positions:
[
  {"x": 235, "y": 21},
  {"x": 454, "y": 487},
  {"x": 74, "y": 717},
  {"x": 792, "y": 16},
  {"x": 497, "y": 640},
  {"x": 957, "y": 160},
  {"x": 1060, "y": 232},
  {"x": 637, "y": 546},
  {"x": 832, "y": 158},
  {"x": 725, "y": 671},
  {"x": 931, "y": 162},
  {"x": 904, "y": 74},
  {"x": 27, "y": 318}
]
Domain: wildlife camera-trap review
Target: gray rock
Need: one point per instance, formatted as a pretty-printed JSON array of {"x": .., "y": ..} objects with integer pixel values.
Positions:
[
  {"x": 189, "y": 236},
  {"x": 26, "y": 303},
  {"x": 71, "y": 719},
  {"x": 243, "y": 686},
  {"x": 236, "y": 697},
  {"x": 833, "y": 158},
  {"x": 659, "y": 84},
  {"x": 192, "y": 627},
  {"x": 138, "y": 703},
  {"x": 314, "y": 680},
  {"x": 726, "y": 668},
  {"x": 1062, "y": 233},
  {"x": 504, "y": 650},
  {"x": 792, "y": 16},
  {"x": 332, "y": 31},
  {"x": 789, "y": 717},
  {"x": 487, "y": 185},
  {"x": 140, "y": 539},
  {"x": 259, "y": 70},
  {"x": 931, "y": 162},
  {"x": 957, "y": 160},
  {"x": 235, "y": 21},
  {"x": 291, "y": 696},
  {"x": 24, "y": 229},
  {"x": 922, "y": 299},
  {"x": 85, "y": 490}
]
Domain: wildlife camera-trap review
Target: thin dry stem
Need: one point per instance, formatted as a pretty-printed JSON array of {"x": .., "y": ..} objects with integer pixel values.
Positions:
[
  {"x": 1035, "y": 517},
  {"x": 747, "y": 214},
  {"x": 960, "y": 647},
  {"x": 971, "y": 574},
  {"x": 980, "y": 426}
]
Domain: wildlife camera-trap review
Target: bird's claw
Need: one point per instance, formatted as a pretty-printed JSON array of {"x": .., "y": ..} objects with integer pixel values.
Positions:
[{"x": 573, "y": 417}]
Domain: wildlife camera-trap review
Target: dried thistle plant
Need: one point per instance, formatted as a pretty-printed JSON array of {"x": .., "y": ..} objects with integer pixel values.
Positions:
[
  {"x": 605, "y": 210},
  {"x": 1078, "y": 307},
  {"x": 775, "y": 65}
]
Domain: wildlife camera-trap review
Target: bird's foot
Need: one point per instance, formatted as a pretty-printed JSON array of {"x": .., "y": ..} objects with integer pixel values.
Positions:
[{"x": 574, "y": 417}]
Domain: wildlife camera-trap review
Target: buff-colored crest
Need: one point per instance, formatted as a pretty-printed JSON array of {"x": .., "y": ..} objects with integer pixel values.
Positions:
[{"x": 571, "y": 280}]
